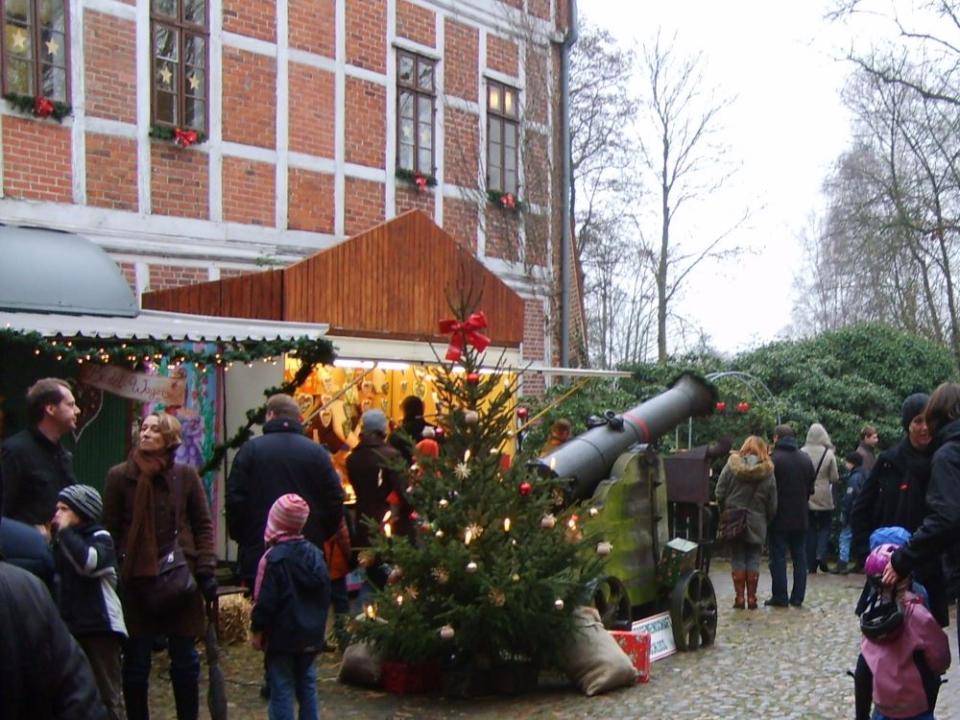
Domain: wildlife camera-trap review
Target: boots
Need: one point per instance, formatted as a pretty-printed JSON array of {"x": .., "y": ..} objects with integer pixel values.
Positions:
[
  {"x": 752, "y": 579},
  {"x": 186, "y": 696},
  {"x": 842, "y": 568},
  {"x": 739, "y": 583},
  {"x": 135, "y": 698}
]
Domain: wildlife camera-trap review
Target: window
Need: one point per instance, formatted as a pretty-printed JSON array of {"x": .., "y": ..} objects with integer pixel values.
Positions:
[
  {"x": 35, "y": 49},
  {"x": 415, "y": 104},
  {"x": 179, "y": 37},
  {"x": 502, "y": 131}
]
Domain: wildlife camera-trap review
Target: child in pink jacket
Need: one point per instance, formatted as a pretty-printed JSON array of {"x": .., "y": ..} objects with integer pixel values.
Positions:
[{"x": 899, "y": 636}]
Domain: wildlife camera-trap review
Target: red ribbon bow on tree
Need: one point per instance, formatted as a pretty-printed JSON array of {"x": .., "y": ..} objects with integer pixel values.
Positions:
[
  {"x": 185, "y": 138},
  {"x": 421, "y": 182},
  {"x": 508, "y": 201},
  {"x": 42, "y": 107},
  {"x": 465, "y": 332}
]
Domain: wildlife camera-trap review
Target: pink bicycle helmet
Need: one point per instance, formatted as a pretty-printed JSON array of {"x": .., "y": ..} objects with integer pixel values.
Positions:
[{"x": 878, "y": 559}]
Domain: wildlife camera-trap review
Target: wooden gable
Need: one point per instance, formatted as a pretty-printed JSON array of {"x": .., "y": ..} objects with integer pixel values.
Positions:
[{"x": 393, "y": 280}]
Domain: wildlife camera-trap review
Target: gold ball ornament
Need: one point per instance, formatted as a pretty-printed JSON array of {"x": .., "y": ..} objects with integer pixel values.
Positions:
[
  {"x": 471, "y": 417},
  {"x": 515, "y": 578},
  {"x": 447, "y": 632},
  {"x": 558, "y": 604},
  {"x": 604, "y": 548},
  {"x": 471, "y": 567},
  {"x": 548, "y": 521}
]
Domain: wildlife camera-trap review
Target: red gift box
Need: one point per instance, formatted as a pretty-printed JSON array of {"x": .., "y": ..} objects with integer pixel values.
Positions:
[
  {"x": 637, "y": 647},
  {"x": 403, "y": 678}
]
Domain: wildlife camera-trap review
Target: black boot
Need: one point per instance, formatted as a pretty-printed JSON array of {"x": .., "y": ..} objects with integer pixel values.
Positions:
[
  {"x": 186, "y": 696},
  {"x": 135, "y": 698},
  {"x": 841, "y": 568}
]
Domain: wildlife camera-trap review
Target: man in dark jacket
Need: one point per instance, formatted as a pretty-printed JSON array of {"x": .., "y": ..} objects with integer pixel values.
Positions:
[
  {"x": 43, "y": 672},
  {"x": 34, "y": 466},
  {"x": 867, "y": 449},
  {"x": 281, "y": 461},
  {"x": 795, "y": 476}
]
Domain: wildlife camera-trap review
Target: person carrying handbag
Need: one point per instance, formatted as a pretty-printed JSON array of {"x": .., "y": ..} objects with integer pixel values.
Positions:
[{"x": 747, "y": 495}]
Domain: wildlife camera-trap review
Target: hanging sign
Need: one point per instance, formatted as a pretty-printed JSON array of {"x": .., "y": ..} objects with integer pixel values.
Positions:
[
  {"x": 135, "y": 386},
  {"x": 661, "y": 634}
]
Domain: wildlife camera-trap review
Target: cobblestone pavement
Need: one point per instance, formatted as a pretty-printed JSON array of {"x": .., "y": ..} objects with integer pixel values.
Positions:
[{"x": 770, "y": 663}]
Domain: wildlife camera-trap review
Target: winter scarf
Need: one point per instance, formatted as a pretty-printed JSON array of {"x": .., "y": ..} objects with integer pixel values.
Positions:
[{"x": 142, "y": 551}]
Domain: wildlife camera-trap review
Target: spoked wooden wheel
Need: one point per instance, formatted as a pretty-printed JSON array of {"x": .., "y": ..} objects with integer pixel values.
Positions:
[
  {"x": 611, "y": 600},
  {"x": 693, "y": 611}
]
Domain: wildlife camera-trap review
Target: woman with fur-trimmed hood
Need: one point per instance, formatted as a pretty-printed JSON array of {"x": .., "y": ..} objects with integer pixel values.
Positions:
[{"x": 747, "y": 481}]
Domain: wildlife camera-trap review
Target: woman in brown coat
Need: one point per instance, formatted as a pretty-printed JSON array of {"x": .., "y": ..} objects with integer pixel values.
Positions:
[
  {"x": 140, "y": 509},
  {"x": 747, "y": 481}
]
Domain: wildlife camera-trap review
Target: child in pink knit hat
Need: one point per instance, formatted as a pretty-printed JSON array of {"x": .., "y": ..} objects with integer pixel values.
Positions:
[{"x": 289, "y": 618}]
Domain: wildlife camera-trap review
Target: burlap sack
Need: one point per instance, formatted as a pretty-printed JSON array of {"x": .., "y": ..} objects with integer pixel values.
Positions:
[
  {"x": 593, "y": 660},
  {"x": 360, "y": 666}
]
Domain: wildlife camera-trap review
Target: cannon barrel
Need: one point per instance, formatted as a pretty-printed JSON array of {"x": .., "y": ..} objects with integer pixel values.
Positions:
[{"x": 588, "y": 458}]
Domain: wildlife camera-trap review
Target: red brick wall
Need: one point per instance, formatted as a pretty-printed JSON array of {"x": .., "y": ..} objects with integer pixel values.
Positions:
[
  {"x": 248, "y": 192},
  {"x": 416, "y": 23},
  {"x": 518, "y": 4},
  {"x": 503, "y": 233},
  {"x": 311, "y": 120},
  {"x": 364, "y": 205},
  {"x": 537, "y": 237},
  {"x": 537, "y": 176},
  {"x": 536, "y": 99},
  {"x": 130, "y": 273},
  {"x": 502, "y": 55},
  {"x": 179, "y": 181},
  {"x": 253, "y": 18},
  {"x": 540, "y": 8},
  {"x": 410, "y": 198},
  {"x": 367, "y": 34},
  {"x": 110, "y": 75},
  {"x": 310, "y": 201},
  {"x": 170, "y": 276},
  {"x": 460, "y": 220},
  {"x": 111, "y": 172},
  {"x": 249, "y": 98},
  {"x": 461, "y": 146},
  {"x": 461, "y": 50},
  {"x": 312, "y": 26},
  {"x": 365, "y": 123},
  {"x": 534, "y": 330},
  {"x": 36, "y": 160}
]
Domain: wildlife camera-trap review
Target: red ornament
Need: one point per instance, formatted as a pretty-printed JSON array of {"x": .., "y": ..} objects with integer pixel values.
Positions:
[
  {"x": 185, "y": 138},
  {"x": 522, "y": 413},
  {"x": 465, "y": 333},
  {"x": 473, "y": 378},
  {"x": 414, "y": 516},
  {"x": 42, "y": 107},
  {"x": 743, "y": 407},
  {"x": 421, "y": 182},
  {"x": 525, "y": 488},
  {"x": 508, "y": 201},
  {"x": 438, "y": 433},
  {"x": 720, "y": 406}
]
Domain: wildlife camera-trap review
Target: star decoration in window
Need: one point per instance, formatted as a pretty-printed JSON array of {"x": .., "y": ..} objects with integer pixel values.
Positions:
[
  {"x": 19, "y": 39},
  {"x": 194, "y": 82},
  {"x": 52, "y": 47},
  {"x": 166, "y": 75}
]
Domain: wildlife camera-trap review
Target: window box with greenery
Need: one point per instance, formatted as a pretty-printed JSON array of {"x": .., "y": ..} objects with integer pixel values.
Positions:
[
  {"x": 506, "y": 200},
  {"x": 422, "y": 181},
  {"x": 36, "y": 57},
  {"x": 179, "y": 44}
]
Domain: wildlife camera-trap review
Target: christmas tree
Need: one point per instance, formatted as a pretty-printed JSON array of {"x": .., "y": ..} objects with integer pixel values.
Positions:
[{"x": 496, "y": 561}]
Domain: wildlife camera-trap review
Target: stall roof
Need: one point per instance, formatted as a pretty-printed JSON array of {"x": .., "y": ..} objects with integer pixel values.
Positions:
[
  {"x": 48, "y": 270},
  {"x": 392, "y": 281},
  {"x": 157, "y": 325}
]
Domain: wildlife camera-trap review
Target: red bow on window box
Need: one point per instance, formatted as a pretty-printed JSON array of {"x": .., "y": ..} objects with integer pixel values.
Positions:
[
  {"x": 185, "y": 138},
  {"x": 509, "y": 201},
  {"x": 465, "y": 332},
  {"x": 42, "y": 107},
  {"x": 421, "y": 182}
]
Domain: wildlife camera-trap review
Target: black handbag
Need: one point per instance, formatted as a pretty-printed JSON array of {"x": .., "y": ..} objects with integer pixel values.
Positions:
[
  {"x": 173, "y": 585},
  {"x": 733, "y": 521}
]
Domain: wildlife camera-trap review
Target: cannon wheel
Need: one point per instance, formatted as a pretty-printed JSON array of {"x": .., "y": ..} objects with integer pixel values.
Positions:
[
  {"x": 693, "y": 611},
  {"x": 612, "y": 602}
]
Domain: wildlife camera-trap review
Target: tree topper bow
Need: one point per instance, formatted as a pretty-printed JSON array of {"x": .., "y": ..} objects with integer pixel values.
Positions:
[{"x": 465, "y": 332}]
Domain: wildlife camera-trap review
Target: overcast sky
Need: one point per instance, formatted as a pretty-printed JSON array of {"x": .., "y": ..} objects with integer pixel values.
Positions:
[{"x": 787, "y": 127}]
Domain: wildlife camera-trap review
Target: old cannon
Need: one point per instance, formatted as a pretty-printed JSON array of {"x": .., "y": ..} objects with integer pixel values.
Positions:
[{"x": 616, "y": 470}]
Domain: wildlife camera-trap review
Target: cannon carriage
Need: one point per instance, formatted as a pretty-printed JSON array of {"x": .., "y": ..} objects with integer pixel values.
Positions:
[{"x": 653, "y": 519}]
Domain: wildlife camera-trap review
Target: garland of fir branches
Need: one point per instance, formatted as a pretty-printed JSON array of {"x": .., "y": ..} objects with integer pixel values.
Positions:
[
  {"x": 28, "y": 104},
  {"x": 163, "y": 132},
  {"x": 132, "y": 353}
]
